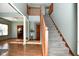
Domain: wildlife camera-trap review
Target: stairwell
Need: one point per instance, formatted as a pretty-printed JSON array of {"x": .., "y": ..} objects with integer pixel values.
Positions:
[{"x": 56, "y": 45}]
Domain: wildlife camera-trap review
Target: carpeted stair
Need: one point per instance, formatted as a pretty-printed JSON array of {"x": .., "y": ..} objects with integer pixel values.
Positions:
[{"x": 56, "y": 46}]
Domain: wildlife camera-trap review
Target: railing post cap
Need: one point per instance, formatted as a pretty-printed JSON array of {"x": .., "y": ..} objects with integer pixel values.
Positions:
[{"x": 46, "y": 28}]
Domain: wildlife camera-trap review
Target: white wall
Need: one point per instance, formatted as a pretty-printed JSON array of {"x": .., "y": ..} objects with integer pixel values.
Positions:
[
  {"x": 35, "y": 19},
  {"x": 14, "y": 29},
  {"x": 65, "y": 17}
]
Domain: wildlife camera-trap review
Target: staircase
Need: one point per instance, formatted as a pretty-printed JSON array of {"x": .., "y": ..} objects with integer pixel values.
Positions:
[{"x": 56, "y": 46}]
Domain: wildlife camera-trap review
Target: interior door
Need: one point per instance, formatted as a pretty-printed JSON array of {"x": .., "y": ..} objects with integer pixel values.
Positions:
[
  {"x": 20, "y": 31},
  {"x": 38, "y": 32}
]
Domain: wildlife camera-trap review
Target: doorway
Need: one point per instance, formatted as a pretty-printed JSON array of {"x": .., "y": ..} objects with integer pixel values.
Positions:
[
  {"x": 38, "y": 32},
  {"x": 20, "y": 31}
]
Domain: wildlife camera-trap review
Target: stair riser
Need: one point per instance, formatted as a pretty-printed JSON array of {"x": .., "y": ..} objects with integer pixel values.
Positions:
[
  {"x": 59, "y": 51},
  {"x": 56, "y": 44},
  {"x": 60, "y": 54},
  {"x": 55, "y": 41},
  {"x": 50, "y": 32},
  {"x": 52, "y": 28},
  {"x": 51, "y": 39},
  {"x": 54, "y": 35},
  {"x": 56, "y": 38}
]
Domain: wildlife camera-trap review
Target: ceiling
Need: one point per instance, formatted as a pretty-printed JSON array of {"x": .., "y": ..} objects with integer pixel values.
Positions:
[
  {"x": 5, "y": 8},
  {"x": 7, "y": 12}
]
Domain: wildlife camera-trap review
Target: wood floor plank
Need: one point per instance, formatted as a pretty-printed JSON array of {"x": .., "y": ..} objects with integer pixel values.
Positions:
[{"x": 18, "y": 49}]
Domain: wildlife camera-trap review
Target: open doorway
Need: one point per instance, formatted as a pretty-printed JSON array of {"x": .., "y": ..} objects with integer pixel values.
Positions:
[
  {"x": 20, "y": 31},
  {"x": 38, "y": 32}
]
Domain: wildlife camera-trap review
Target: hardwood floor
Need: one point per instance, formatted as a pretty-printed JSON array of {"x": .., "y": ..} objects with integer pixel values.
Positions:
[{"x": 16, "y": 48}]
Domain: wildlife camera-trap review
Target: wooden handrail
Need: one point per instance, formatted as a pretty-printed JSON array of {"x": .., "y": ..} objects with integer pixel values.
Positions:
[{"x": 44, "y": 35}]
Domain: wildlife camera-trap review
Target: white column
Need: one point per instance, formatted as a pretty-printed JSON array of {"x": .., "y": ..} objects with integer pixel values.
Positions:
[
  {"x": 78, "y": 32},
  {"x": 43, "y": 10},
  {"x": 28, "y": 30},
  {"x": 24, "y": 32}
]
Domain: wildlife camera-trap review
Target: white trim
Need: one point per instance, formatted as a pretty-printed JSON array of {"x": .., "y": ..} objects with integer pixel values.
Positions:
[
  {"x": 24, "y": 32},
  {"x": 28, "y": 30},
  {"x": 78, "y": 31}
]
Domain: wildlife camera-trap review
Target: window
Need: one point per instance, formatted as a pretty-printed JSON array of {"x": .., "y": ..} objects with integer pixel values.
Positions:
[{"x": 3, "y": 29}]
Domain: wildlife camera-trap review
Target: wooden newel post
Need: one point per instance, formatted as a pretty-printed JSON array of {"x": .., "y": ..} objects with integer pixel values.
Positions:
[{"x": 46, "y": 41}]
